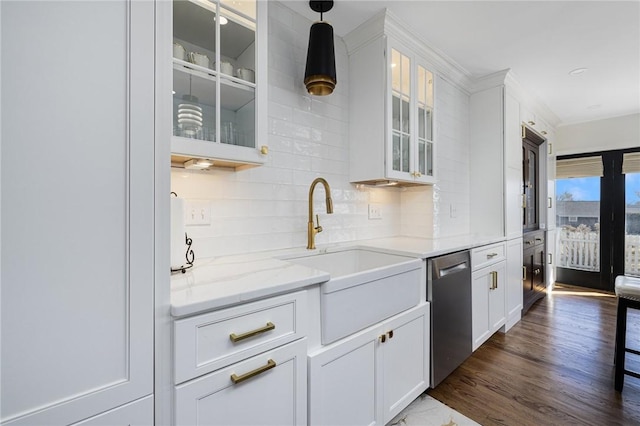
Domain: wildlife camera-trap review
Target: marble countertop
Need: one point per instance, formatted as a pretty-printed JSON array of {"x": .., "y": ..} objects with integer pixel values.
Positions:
[{"x": 214, "y": 283}]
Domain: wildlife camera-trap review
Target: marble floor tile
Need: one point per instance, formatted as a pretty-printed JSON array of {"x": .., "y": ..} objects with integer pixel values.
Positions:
[{"x": 427, "y": 411}]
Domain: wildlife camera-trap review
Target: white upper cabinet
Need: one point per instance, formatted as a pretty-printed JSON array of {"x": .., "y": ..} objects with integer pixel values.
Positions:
[
  {"x": 219, "y": 81},
  {"x": 77, "y": 229},
  {"x": 391, "y": 133}
]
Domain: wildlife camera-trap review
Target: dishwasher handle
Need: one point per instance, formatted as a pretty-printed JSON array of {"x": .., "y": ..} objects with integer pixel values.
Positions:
[
  {"x": 449, "y": 264},
  {"x": 452, "y": 269}
]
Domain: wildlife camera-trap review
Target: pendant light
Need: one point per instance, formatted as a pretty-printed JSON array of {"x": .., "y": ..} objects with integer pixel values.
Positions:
[{"x": 320, "y": 73}]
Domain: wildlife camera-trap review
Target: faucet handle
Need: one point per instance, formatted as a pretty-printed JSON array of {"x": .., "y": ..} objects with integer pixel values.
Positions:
[{"x": 318, "y": 228}]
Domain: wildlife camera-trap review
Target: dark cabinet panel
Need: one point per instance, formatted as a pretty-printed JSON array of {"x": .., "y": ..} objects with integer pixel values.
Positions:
[{"x": 534, "y": 284}]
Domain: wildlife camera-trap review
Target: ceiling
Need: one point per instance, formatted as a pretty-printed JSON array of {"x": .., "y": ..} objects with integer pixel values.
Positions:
[{"x": 541, "y": 41}]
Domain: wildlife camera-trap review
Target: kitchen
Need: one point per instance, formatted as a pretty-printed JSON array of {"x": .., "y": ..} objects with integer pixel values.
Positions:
[{"x": 251, "y": 211}]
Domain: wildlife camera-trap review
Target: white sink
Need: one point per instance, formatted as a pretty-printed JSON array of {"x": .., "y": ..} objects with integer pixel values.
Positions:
[{"x": 365, "y": 288}]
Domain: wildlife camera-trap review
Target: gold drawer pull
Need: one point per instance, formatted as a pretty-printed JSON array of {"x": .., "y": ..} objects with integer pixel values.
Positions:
[
  {"x": 237, "y": 337},
  {"x": 491, "y": 255},
  {"x": 246, "y": 376}
]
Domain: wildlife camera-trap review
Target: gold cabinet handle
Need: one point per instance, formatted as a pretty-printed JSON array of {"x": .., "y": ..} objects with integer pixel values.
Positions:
[
  {"x": 524, "y": 201},
  {"x": 494, "y": 280},
  {"x": 238, "y": 337},
  {"x": 524, "y": 131},
  {"x": 383, "y": 338},
  {"x": 264, "y": 150},
  {"x": 549, "y": 202},
  {"x": 544, "y": 132},
  {"x": 550, "y": 148},
  {"x": 550, "y": 258},
  {"x": 390, "y": 334},
  {"x": 246, "y": 376},
  {"x": 536, "y": 271},
  {"x": 531, "y": 122},
  {"x": 491, "y": 255},
  {"x": 524, "y": 273}
]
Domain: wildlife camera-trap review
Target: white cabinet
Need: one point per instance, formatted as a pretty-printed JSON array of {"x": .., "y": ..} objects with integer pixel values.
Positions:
[
  {"x": 219, "y": 82},
  {"x": 369, "y": 377},
  {"x": 550, "y": 270},
  {"x": 513, "y": 282},
  {"x": 136, "y": 413},
  {"x": 496, "y": 171},
  {"x": 78, "y": 231},
  {"x": 267, "y": 389},
  {"x": 551, "y": 182},
  {"x": 391, "y": 121},
  {"x": 243, "y": 365},
  {"x": 488, "y": 291}
]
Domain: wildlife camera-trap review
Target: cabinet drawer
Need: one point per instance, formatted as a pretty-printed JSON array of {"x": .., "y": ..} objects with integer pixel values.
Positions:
[
  {"x": 267, "y": 389},
  {"x": 487, "y": 255},
  {"x": 531, "y": 239},
  {"x": 207, "y": 342}
]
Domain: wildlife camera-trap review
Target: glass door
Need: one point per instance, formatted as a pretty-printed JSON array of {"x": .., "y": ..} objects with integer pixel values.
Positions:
[
  {"x": 578, "y": 229},
  {"x": 631, "y": 170},
  {"x": 400, "y": 113},
  {"x": 425, "y": 123},
  {"x": 214, "y": 71},
  {"x": 598, "y": 218}
]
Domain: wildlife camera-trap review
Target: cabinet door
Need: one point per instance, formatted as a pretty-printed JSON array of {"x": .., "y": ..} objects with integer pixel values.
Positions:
[
  {"x": 497, "y": 293},
  {"x": 275, "y": 395},
  {"x": 399, "y": 160},
  {"x": 514, "y": 282},
  {"x": 539, "y": 268},
  {"x": 77, "y": 234},
  {"x": 424, "y": 134},
  {"x": 342, "y": 382},
  {"x": 528, "y": 289},
  {"x": 513, "y": 170},
  {"x": 137, "y": 413},
  {"x": 481, "y": 281},
  {"x": 551, "y": 257},
  {"x": 219, "y": 68},
  {"x": 404, "y": 361},
  {"x": 488, "y": 302},
  {"x": 531, "y": 190}
]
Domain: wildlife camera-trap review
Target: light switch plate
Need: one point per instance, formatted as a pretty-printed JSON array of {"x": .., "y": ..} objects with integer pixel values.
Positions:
[
  {"x": 197, "y": 212},
  {"x": 375, "y": 211}
]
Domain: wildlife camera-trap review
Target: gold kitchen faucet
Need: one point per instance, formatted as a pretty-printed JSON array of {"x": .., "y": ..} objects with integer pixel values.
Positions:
[{"x": 312, "y": 230}]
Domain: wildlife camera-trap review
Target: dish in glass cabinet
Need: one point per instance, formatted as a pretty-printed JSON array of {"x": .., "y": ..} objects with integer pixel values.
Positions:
[
  {"x": 193, "y": 107},
  {"x": 190, "y": 121},
  {"x": 190, "y": 116}
]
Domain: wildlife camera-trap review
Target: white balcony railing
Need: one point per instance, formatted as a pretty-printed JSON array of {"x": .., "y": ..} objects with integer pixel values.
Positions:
[{"x": 580, "y": 249}]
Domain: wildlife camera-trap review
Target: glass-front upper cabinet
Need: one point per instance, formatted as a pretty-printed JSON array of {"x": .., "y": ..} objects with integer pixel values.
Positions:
[
  {"x": 412, "y": 141},
  {"x": 216, "y": 80},
  {"x": 425, "y": 122},
  {"x": 400, "y": 116}
]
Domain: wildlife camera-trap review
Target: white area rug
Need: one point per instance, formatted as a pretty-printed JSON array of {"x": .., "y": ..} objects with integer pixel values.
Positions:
[{"x": 427, "y": 411}]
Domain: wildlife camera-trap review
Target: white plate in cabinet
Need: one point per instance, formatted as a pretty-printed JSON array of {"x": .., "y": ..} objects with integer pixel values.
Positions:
[
  {"x": 207, "y": 342},
  {"x": 267, "y": 389},
  {"x": 487, "y": 255}
]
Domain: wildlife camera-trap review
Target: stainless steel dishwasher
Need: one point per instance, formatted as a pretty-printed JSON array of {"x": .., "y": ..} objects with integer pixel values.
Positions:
[{"x": 449, "y": 291}]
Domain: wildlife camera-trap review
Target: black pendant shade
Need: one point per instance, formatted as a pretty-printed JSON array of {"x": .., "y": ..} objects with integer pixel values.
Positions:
[{"x": 320, "y": 72}]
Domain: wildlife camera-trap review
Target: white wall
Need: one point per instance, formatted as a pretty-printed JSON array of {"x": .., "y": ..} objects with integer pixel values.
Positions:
[
  {"x": 600, "y": 135},
  {"x": 265, "y": 208}
]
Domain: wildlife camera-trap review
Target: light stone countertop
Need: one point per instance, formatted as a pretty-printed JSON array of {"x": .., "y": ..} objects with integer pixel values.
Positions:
[{"x": 224, "y": 281}]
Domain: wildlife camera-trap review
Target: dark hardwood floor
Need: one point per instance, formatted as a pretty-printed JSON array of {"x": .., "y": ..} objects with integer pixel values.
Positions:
[{"x": 555, "y": 367}]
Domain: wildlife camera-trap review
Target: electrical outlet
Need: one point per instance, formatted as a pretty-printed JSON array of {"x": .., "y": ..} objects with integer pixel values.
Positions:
[
  {"x": 197, "y": 212},
  {"x": 375, "y": 211}
]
